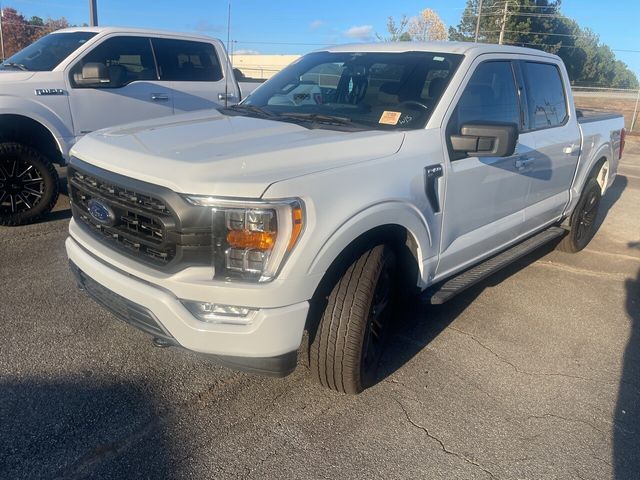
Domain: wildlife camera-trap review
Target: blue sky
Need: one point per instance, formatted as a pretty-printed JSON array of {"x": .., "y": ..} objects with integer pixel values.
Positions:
[{"x": 285, "y": 26}]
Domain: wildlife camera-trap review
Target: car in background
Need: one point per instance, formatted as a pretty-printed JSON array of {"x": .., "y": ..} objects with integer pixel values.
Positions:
[{"x": 79, "y": 80}]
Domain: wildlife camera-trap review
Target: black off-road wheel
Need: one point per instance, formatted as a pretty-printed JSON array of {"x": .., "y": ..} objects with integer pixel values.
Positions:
[
  {"x": 350, "y": 338},
  {"x": 583, "y": 220},
  {"x": 28, "y": 184}
]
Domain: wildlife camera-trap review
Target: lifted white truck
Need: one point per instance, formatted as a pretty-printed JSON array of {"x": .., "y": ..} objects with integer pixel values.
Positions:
[
  {"x": 78, "y": 80},
  {"x": 356, "y": 174}
]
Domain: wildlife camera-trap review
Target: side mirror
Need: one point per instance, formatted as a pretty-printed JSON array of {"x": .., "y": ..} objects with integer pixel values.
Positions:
[
  {"x": 239, "y": 76},
  {"x": 486, "y": 140},
  {"x": 93, "y": 74}
]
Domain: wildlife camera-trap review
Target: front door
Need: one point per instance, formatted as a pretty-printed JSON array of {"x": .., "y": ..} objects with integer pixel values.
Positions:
[
  {"x": 133, "y": 92},
  {"x": 485, "y": 196}
]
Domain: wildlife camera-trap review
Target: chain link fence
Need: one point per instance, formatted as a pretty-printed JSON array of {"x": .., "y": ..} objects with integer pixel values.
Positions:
[{"x": 624, "y": 101}]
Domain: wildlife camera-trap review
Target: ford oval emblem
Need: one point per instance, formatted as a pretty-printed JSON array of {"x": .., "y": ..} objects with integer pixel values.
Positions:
[{"x": 101, "y": 212}]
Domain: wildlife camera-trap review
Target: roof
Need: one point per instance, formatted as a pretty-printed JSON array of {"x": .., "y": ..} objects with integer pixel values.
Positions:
[
  {"x": 142, "y": 31},
  {"x": 463, "y": 48}
]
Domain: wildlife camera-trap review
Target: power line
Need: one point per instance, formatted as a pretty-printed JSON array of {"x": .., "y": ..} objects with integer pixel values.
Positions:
[
  {"x": 566, "y": 46},
  {"x": 551, "y": 34},
  {"x": 26, "y": 25}
]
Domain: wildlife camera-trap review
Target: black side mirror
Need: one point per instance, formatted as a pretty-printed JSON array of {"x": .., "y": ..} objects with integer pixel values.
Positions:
[
  {"x": 239, "y": 76},
  {"x": 93, "y": 74},
  {"x": 486, "y": 139}
]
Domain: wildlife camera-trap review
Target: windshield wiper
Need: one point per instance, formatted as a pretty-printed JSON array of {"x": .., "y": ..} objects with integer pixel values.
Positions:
[
  {"x": 317, "y": 117},
  {"x": 253, "y": 109},
  {"x": 17, "y": 66}
]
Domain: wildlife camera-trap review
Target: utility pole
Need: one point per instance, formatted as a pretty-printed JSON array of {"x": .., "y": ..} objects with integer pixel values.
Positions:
[
  {"x": 504, "y": 23},
  {"x": 1, "y": 34},
  {"x": 478, "y": 21},
  {"x": 93, "y": 13}
]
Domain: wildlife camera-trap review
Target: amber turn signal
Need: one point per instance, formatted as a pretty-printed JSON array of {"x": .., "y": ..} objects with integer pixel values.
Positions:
[
  {"x": 251, "y": 240},
  {"x": 296, "y": 215}
]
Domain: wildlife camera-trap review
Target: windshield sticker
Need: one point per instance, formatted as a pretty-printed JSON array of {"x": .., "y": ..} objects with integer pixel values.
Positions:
[
  {"x": 390, "y": 118},
  {"x": 438, "y": 59}
]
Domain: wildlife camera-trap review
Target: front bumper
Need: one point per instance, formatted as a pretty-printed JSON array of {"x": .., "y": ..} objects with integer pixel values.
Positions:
[{"x": 268, "y": 345}]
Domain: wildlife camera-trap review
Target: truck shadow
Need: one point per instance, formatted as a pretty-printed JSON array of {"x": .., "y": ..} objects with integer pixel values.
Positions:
[
  {"x": 419, "y": 324},
  {"x": 626, "y": 421},
  {"x": 80, "y": 428},
  {"x": 412, "y": 332}
]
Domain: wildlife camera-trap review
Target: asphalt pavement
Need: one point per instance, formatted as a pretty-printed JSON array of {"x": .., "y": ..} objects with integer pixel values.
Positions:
[{"x": 533, "y": 374}]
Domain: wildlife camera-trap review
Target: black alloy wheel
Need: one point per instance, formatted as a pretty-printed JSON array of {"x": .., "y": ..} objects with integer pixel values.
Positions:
[{"x": 28, "y": 184}]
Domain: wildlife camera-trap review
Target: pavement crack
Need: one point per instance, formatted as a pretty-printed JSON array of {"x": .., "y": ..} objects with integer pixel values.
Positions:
[
  {"x": 582, "y": 271},
  {"x": 570, "y": 420},
  {"x": 443, "y": 447},
  {"x": 519, "y": 370}
]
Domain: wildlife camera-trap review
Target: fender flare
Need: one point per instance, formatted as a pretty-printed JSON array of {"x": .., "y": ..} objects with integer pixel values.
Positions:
[
  {"x": 388, "y": 213},
  {"x": 41, "y": 114}
]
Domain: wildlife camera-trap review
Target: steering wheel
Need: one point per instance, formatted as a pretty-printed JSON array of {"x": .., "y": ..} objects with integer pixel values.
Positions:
[{"x": 415, "y": 103}]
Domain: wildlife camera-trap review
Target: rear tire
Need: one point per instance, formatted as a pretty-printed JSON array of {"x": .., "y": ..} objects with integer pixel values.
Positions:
[
  {"x": 28, "y": 184},
  {"x": 346, "y": 350},
  {"x": 583, "y": 219}
]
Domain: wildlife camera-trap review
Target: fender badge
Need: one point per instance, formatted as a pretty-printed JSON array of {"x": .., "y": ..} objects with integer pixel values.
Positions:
[{"x": 49, "y": 91}]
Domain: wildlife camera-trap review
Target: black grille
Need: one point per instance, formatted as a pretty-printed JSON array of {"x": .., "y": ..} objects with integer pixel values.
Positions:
[
  {"x": 147, "y": 222},
  {"x": 132, "y": 313},
  {"x": 141, "y": 224}
]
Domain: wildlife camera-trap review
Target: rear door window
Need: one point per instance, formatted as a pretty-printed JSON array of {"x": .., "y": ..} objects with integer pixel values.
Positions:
[
  {"x": 187, "y": 61},
  {"x": 546, "y": 99}
]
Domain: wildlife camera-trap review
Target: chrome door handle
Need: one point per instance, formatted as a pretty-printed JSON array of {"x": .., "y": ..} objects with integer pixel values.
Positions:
[
  {"x": 227, "y": 96},
  {"x": 159, "y": 97},
  {"x": 522, "y": 163},
  {"x": 571, "y": 150}
]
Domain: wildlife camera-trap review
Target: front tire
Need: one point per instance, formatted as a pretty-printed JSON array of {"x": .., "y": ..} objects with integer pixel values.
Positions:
[
  {"x": 583, "y": 219},
  {"x": 28, "y": 184},
  {"x": 346, "y": 350}
]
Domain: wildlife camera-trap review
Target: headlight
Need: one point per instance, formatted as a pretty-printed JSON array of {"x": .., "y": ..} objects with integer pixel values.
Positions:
[{"x": 252, "y": 239}]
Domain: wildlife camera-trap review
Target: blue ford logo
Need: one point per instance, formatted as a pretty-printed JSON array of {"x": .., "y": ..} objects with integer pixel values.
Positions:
[{"x": 101, "y": 212}]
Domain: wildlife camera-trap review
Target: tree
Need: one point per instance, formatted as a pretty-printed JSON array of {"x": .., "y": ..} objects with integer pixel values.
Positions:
[
  {"x": 18, "y": 32},
  {"x": 15, "y": 31},
  {"x": 427, "y": 26},
  {"x": 540, "y": 24},
  {"x": 397, "y": 30}
]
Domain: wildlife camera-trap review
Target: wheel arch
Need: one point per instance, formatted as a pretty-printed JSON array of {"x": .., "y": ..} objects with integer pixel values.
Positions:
[
  {"x": 29, "y": 131},
  {"x": 397, "y": 223},
  {"x": 600, "y": 171}
]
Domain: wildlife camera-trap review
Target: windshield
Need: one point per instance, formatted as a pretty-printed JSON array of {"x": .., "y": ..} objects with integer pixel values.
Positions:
[
  {"x": 47, "y": 53},
  {"x": 361, "y": 90}
]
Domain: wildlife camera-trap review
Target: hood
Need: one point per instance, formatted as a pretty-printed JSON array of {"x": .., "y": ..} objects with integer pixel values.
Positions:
[
  {"x": 208, "y": 153},
  {"x": 14, "y": 76}
]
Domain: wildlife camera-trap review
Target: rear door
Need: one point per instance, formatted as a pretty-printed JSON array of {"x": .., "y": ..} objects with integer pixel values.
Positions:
[
  {"x": 485, "y": 196},
  {"x": 557, "y": 138},
  {"x": 133, "y": 93},
  {"x": 194, "y": 72}
]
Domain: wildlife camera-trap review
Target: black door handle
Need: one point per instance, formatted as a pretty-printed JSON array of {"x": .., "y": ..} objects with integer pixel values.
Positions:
[{"x": 431, "y": 176}]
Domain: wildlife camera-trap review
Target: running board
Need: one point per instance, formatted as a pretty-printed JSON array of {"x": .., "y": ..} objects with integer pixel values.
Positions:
[{"x": 445, "y": 291}]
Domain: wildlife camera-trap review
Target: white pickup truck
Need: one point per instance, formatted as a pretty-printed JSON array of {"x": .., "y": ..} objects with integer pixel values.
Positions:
[
  {"x": 356, "y": 174},
  {"x": 78, "y": 80}
]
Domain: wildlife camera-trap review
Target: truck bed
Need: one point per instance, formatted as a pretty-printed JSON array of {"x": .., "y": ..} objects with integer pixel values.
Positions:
[{"x": 588, "y": 116}]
